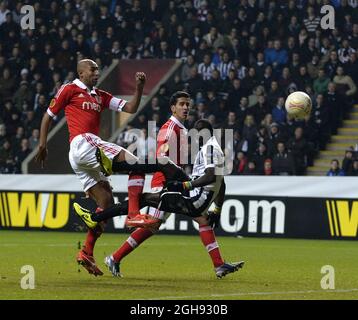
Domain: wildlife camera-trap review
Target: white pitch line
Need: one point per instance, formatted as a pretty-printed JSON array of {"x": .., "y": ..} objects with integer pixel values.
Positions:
[{"x": 240, "y": 294}]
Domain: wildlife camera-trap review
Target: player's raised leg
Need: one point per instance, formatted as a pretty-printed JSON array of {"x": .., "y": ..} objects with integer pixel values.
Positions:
[
  {"x": 91, "y": 219},
  {"x": 127, "y": 162}
]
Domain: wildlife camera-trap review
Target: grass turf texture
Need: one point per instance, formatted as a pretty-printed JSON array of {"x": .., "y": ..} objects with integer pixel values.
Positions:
[{"x": 177, "y": 267}]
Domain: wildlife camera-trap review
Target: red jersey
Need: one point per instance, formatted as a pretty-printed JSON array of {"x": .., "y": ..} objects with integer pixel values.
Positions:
[
  {"x": 171, "y": 142},
  {"x": 83, "y": 107}
]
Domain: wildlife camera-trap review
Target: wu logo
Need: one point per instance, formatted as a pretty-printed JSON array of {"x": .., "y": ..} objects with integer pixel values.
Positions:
[
  {"x": 34, "y": 210},
  {"x": 342, "y": 218}
]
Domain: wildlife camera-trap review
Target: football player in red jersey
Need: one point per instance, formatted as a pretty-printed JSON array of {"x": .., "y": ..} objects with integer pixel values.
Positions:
[
  {"x": 83, "y": 104},
  {"x": 172, "y": 142}
]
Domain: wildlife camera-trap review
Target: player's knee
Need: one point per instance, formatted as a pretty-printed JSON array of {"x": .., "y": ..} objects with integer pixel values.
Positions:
[
  {"x": 203, "y": 220},
  {"x": 106, "y": 200}
]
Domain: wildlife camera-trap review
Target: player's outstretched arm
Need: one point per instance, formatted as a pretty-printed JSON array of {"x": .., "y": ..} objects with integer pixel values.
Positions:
[
  {"x": 42, "y": 148},
  {"x": 206, "y": 179},
  {"x": 132, "y": 105}
]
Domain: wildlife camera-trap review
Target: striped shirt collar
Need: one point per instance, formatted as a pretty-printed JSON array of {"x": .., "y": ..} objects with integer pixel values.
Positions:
[
  {"x": 80, "y": 84},
  {"x": 176, "y": 121}
]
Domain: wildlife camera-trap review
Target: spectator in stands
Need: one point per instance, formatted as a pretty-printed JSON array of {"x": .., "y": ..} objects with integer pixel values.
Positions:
[
  {"x": 7, "y": 85},
  {"x": 352, "y": 67},
  {"x": 7, "y": 162},
  {"x": 347, "y": 164},
  {"x": 320, "y": 122},
  {"x": 279, "y": 111},
  {"x": 34, "y": 139},
  {"x": 3, "y": 12},
  {"x": 238, "y": 142},
  {"x": 195, "y": 83},
  {"x": 345, "y": 51},
  {"x": 344, "y": 83},
  {"x": 283, "y": 162},
  {"x": 242, "y": 111},
  {"x": 177, "y": 84},
  {"x": 336, "y": 105},
  {"x": 231, "y": 122},
  {"x": 267, "y": 78},
  {"x": 260, "y": 156},
  {"x": 16, "y": 140},
  {"x": 320, "y": 84},
  {"x": 206, "y": 68},
  {"x": 332, "y": 64},
  {"x": 268, "y": 167},
  {"x": 225, "y": 66},
  {"x": 303, "y": 79},
  {"x": 215, "y": 84},
  {"x": 261, "y": 108},
  {"x": 299, "y": 149},
  {"x": 22, "y": 153},
  {"x": 24, "y": 93},
  {"x": 335, "y": 170},
  {"x": 250, "y": 169},
  {"x": 274, "y": 93},
  {"x": 185, "y": 71},
  {"x": 249, "y": 133},
  {"x": 354, "y": 171},
  {"x": 276, "y": 56},
  {"x": 313, "y": 67},
  {"x": 240, "y": 163},
  {"x": 285, "y": 78}
]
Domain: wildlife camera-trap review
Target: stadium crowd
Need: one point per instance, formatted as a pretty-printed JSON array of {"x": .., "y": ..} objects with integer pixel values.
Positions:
[{"x": 240, "y": 60}]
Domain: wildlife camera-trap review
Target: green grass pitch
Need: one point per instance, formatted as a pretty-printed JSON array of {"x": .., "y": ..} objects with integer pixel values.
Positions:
[{"x": 177, "y": 267}]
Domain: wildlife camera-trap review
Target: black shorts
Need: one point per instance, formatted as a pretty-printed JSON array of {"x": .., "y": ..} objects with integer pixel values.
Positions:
[{"x": 194, "y": 206}]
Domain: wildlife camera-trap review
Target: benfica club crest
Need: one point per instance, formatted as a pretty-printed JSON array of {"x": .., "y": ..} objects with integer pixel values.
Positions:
[{"x": 52, "y": 103}]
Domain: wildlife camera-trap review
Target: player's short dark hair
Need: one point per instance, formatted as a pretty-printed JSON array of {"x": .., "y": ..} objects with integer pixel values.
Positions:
[
  {"x": 179, "y": 94},
  {"x": 204, "y": 124}
]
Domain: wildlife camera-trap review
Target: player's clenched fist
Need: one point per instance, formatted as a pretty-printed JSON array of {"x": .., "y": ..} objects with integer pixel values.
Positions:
[{"x": 140, "y": 78}]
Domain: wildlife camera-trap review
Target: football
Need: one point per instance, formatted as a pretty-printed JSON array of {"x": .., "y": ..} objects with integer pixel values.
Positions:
[{"x": 298, "y": 105}]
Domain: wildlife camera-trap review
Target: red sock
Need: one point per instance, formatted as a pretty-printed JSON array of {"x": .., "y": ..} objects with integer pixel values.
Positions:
[
  {"x": 135, "y": 189},
  {"x": 92, "y": 236},
  {"x": 207, "y": 236},
  {"x": 135, "y": 239}
]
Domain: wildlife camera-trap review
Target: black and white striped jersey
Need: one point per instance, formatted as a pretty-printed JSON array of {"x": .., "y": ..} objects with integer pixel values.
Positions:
[{"x": 209, "y": 156}]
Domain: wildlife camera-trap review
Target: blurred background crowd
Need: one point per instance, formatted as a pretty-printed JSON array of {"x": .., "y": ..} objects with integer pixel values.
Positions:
[{"x": 240, "y": 59}]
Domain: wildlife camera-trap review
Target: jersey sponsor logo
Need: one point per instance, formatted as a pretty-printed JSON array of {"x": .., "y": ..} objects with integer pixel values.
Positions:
[
  {"x": 87, "y": 105},
  {"x": 34, "y": 210},
  {"x": 342, "y": 218}
]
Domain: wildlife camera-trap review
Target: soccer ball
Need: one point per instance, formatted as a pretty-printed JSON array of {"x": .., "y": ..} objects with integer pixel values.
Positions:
[{"x": 298, "y": 105}]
